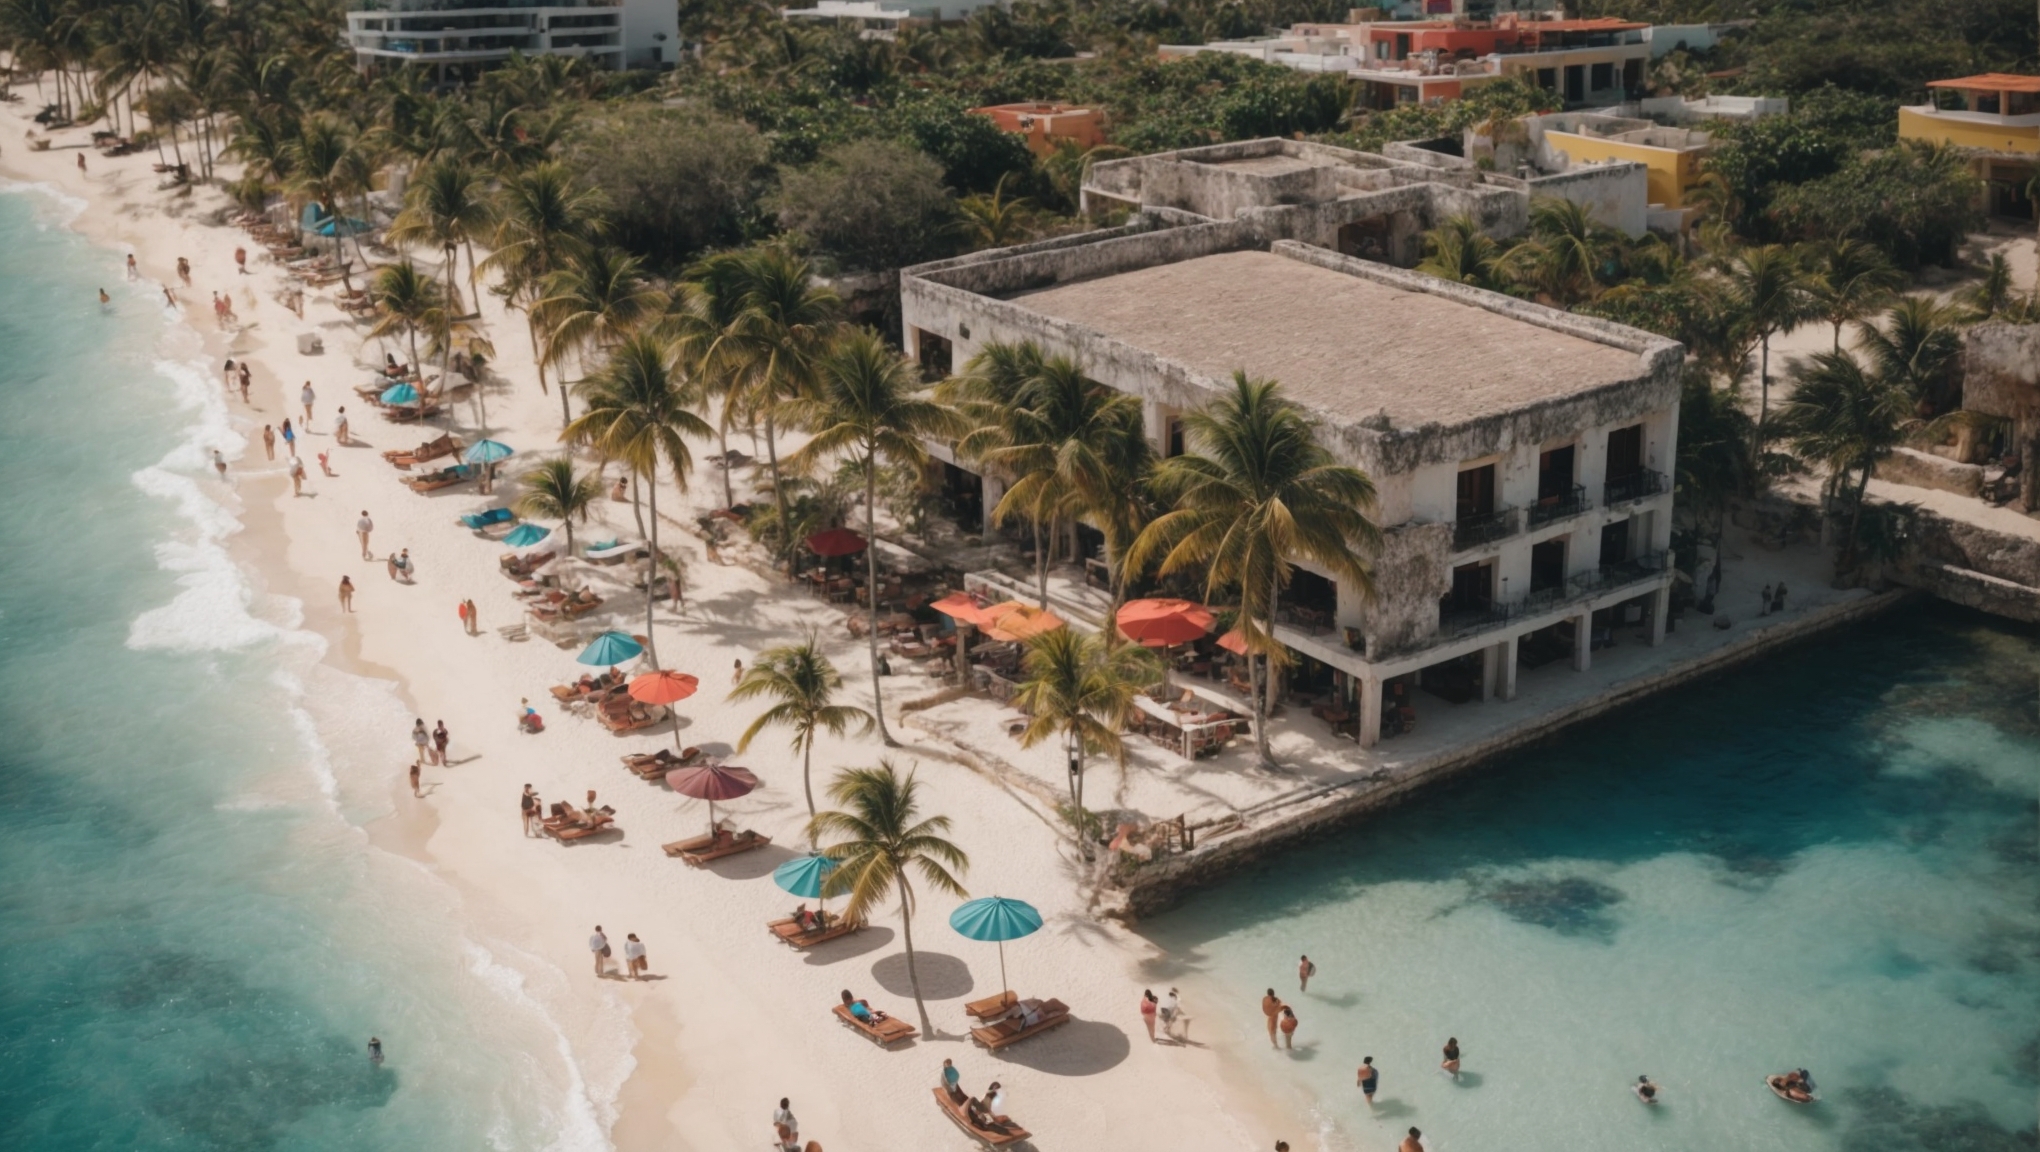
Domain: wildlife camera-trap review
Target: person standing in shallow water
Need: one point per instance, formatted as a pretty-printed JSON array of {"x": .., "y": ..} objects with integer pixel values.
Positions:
[
  {"x": 1451, "y": 1063},
  {"x": 375, "y": 1055},
  {"x": 1304, "y": 971},
  {"x": 1370, "y": 1079},
  {"x": 1271, "y": 1007},
  {"x": 346, "y": 594},
  {"x": 269, "y": 441}
]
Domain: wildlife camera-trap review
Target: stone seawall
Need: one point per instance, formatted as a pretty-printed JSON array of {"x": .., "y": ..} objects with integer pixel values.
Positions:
[{"x": 1155, "y": 887}]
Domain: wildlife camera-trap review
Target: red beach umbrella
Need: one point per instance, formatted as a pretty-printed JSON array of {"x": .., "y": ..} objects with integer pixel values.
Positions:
[
  {"x": 1234, "y": 641},
  {"x": 1164, "y": 622},
  {"x": 960, "y": 607},
  {"x": 712, "y": 782},
  {"x": 831, "y": 542}
]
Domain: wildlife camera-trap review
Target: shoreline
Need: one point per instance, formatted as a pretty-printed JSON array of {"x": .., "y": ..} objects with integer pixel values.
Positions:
[{"x": 724, "y": 979}]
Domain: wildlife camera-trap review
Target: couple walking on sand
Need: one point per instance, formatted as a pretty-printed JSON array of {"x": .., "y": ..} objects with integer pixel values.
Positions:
[
  {"x": 1175, "y": 1023},
  {"x": 636, "y": 966}
]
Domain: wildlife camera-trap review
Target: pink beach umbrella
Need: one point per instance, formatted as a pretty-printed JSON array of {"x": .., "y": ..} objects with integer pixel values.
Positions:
[{"x": 712, "y": 782}]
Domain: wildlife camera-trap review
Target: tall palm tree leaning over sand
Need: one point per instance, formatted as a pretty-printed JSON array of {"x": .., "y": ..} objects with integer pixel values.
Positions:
[
  {"x": 882, "y": 840},
  {"x": 1256, "y": 490},
  {"x": 804, "y": 684},
  {"x": 445, "y": 207},
  {"x": 543, "y": 222},
  {"x": 556, "y": 490},
  {"x": 589, "y": 305},
  {"x": 865, "y": 405},
  {"x": 1846, "y": 419},
  {"x": 1767, "y": 294},
  {"x": 788, "y": 322},
  {"x": 1076, "y": 686},
  {"x": 406, "y": 301},
  {"x": 704, "y": 316},
  {"x": 638, "y": 414}
]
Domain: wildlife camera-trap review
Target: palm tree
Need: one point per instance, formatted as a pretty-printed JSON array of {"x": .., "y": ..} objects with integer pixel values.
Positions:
[
  {"x": 1566, "y": 251},
  {"x": 1713, "y": 462},
  {"x": 590, "y": 304},
  {"x": 1078, "y": 687},
  {"x": 882, "y": 841},
  {"x": 1847, "y": 280},
  {"x": 1917, "y": 349},
  {"x": 1847, "y": 420},
  {"x": 445, "y": 207},
  {"x": 324, "y": 168},
  {"x": 997, "y": 220},
  {"x": 705, "y": 317},
  {"x": 787, "y": 324},
  {"x": 1767, "y": 295},
  {"x": 638, "y": 414},
  {"x": 406, "y": 301},
  {"x": 543, "y": 222},
  {"x": 866, "y": 406},
  {"x": 1994, "y": 292},
  {"x": 803, "y": 683},
  {"x": 1459, "y": 251},
  {"x": 1258, "y": 490},
  {"x": 556, "y": 490}
]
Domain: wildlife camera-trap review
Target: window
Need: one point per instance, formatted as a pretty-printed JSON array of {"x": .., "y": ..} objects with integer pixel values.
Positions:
[
  {"x": 1555, "y": 474},
  {"x": 936, "y": 355},
  {"x": 1575, "y": 82},
  {"x": 1547, "y": 565},
  {"x": 1615, "y": 543},
  {"x": 1603, "y": 77},
  {"x": 1473, "y": 587},
  {"x": 1476, "y": 492},
  {"x": 1625, "y": 453},
  {"x": 1175, "y": 447}
]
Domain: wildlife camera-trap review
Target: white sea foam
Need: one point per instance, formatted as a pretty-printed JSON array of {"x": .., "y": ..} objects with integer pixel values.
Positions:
[
  {"x": 580, "y": 1121},
  {"x": 56, "y": 207}
]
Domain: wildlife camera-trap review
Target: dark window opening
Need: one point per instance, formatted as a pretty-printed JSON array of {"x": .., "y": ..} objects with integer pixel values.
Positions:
[
  {"x": 1625, "y": 453},
  {"x": 1555, "y": 473},
  {"x": 1615, "y": 542},
  {"x": 1476, "y": 492},
  {"x": 1575, "y": 82},
  {"x": 1603, "y": 77},
  {"x": 937, "y": 355},
  {"x": 1547, "y": 565},
  {"x": 1175, "y": 438}
]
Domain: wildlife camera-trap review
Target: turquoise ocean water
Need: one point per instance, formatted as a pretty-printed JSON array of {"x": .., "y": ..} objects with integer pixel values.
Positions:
[
  {"x": 196, "y": 935},
  {"x": 1828, "y": 859}
]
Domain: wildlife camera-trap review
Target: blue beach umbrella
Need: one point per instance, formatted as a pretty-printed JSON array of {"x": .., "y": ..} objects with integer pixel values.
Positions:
[
  {"x": 803, "y": 875},
  {"x": 611, "y": 648},
  {"x": 996, "y": 918},
  {"x": 488, "y": 452},
  {"x": 525, "y": 535},
  {"x": 342, "y": 226},
  {"x": 400, "y": 394}
]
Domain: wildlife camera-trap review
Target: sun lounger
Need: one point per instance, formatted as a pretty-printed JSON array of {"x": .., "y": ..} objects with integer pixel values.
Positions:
[
  {"x": 991, "y": 1007},
  {"x": 444, "y": 478},
  {"x": 577, "y": 691},
  {"x": 1000, "y": 1033},
  {"x": 630, "y": 716},
  {"x": 444, "y": 445},
  {"x": 407, "y": 413},
  {"x": 996, "y": 1136},
  {"x": 616, "y": 550},
  {"x": 573, "y": 824},
  {"x": 789, "y": 931},
  {"x": 494, "y": 518},
  {"x": 655, "y": 766},
  {"x": 883, "y": 1033},
  {"x": 518, "y": 567},
  {"x": 703, "y": 849}
]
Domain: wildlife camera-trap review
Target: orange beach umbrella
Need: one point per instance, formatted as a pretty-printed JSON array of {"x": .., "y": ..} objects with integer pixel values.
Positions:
[
  {"x": 661, "y": 687},
  {"x": 1016, "y": 621},
  {"x": 1163, "y": 621}
]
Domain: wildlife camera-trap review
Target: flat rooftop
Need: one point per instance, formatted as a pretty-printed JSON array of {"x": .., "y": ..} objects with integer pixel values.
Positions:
[
  {"x": 1345, "y": 346},
  {"x": 1273, "y": 164}
]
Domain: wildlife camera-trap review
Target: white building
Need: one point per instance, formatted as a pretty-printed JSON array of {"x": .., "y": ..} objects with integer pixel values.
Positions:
[
  {"x": 1521, "y": 453},
  {"x": 463, "y": 37}
]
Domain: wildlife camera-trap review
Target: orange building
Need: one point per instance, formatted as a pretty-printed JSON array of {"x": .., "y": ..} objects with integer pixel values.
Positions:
[{"x": 1044, "y": 124}]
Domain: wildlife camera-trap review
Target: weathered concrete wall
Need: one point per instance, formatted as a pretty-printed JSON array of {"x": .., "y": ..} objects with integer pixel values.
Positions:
[
  {"x": 1410, "y": 575},
  {"x": 1937, "y": 539},
  {"x": 1926, "y": 470},
  {"x": 2001, "y": 370},
  {"x": 1618, "y": 195},
  {"x": 1978, "y": 590}
]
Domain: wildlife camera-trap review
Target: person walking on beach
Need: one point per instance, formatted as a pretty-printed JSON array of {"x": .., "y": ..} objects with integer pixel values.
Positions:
[
  {"x": 599, "y": 945},
  {"x": 219, "y": 311},
  {"x": 131, "y": 273},
  {"x": 104, "y": 299},
  {"x": 468, "y": 616},
  {"x": 737, "y": 677},
  {"x": 346, "y": 594},
  {"x": 415, "y": 770},
  {"x": 340, "y": 425},
  {"x": 81, "y": 162},
  {"x": 184, "y": 271},
  {"x": 269, "y": 441},
  {"x": 786, "y": 1125},
  {"x": 297, "y": 476},
  {"x": 305, "y": 397},
  {"x": 634, "y": 957},
  {"x": 241, "y": 259},
  {"x": 1304, "y": 971},
  {"x": 1271, "y": 1007},
  {"x": 247, "y": 380},
  {"x": 362, "y": 528},
  {"x": 1764, "y": 601},
  {"x": 1288, "y": 1026},
  {"x": 326, "y": 465},
  {"x": 169, "y": 297},
  {"x": 1370, "y": 1079},
  {"x": 219, "y": 463},
  {"x": 227, "y": 374},
  {"x": 1778, "y": 598},
  {"x": 375, "y": 1055},
  {"x": 1414, "y": 1142},
  {"x": 420, "y": 738},
  {"x": 440, "y": 739},
  {"x": 1173, "y": 1019},
  {"x": 952, "y": 1080},
  {"x": 1451, "y": 1061},
  {"x": 1148, "y": 1004},
  {"x": 527, "y": 807},
  {"x": 289, "y": 435}
]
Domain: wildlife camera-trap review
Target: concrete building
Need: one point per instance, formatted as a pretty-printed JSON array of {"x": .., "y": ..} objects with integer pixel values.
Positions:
[
  {"x": 1044, "y": 125},
  {"x": 1520, "y": 453},
  {"x": 460, "y": 38},
  {"x": 1995, "y": 117},
  {"x": 1588, "y": 63}
]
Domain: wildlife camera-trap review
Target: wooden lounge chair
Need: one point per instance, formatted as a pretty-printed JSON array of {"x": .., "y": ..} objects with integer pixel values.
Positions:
[
  {"x": 997, "y": 1136},
  {"x": 789, "y": 931},
  {"x": 570, "y": 823},
  {"x": 518, "y": 567},
  {"x": 1000, "y": 1033},
  {"x": 991, "y": 1007},
  {"x": 656, "y": 766},
  {"x": 883, "y": 1033},
  {"x": 630, "y": 716},
  {"x": 721, "y": 845},
  {"x": 407, "y": 413},
  {"x": 577, "y": 692},
  {"x": 444, "y": 478}
]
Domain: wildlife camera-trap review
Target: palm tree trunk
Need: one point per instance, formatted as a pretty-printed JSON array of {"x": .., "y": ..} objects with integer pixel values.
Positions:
[
  {"x": 722, "y": 443},
  {"x": 871, "y": 586},
  {"x": 1262, "y": 698},
  {"x": 652, "y": 567},
  {"x": 637, "y": 508},
  {"x": 807, "y": 785},
  {"x": 913, "y": 973},
  {"x": 1764, "y": 399},
  {"x": 1855, "y": 520},
  {"x": 779, "y": 497},
  {"x": 1040, "y": 566}
]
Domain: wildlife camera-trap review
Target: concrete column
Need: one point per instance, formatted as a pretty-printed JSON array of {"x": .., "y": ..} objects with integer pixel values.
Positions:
[
  {"x": 1370, "y": 711},
  {"x": 1660, "y": 610},
  {"x": 1583, "y": 642},
  {"x": 1490, "y": 671},
  {"x": 1506, "y": 688}
]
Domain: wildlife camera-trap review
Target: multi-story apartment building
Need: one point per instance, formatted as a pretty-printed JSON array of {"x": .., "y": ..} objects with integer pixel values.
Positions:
[
  {"x": 459, "y": 38},
  {"x": 1995, "y": 117}
]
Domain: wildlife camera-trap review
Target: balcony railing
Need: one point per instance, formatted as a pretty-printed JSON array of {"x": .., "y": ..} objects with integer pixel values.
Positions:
[
  {"x": 1634, "y": 486},
  {"x": 1597, "y": 580},
  {"x": 1456, "y": 623},
  {"x": 1561, "y": 507},
  {"x": 1483, "y": 528}
]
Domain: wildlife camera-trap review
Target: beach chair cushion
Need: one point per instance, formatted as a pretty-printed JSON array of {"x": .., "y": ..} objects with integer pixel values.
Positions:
[
  {"x": 479, "y": 520},
  {"x": 991, "y": 1006},
  {"x": 890, "y": 1030}
]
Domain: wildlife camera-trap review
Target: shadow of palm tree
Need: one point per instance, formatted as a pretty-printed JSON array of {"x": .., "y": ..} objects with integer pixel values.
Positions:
[
  {"x": 847, "y": 947},
  {"x": 943, "y": 977}
]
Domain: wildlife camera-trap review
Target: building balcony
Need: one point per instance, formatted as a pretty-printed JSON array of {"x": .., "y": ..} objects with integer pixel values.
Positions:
[
  {"x": 1579, "y": 588},
  {"x": 1561, "y": 507},
  {"x": 1635, "y": 486},
  {"x": 1480, "y": 528}
]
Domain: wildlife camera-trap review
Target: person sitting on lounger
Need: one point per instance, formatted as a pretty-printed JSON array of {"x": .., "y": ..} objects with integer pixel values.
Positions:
[
  {"x": 805, "y": 920},
  {"x": 862, "y": 1012}
]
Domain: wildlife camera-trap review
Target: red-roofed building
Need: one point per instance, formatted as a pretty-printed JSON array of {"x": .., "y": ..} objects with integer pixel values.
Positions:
[
  {"x": 1995, "y": 118},
  {"x": 1044, "y": 124}
]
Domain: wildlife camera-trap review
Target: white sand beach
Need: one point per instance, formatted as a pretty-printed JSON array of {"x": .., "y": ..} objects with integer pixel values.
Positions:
[{"x": 733, "y": 1020}]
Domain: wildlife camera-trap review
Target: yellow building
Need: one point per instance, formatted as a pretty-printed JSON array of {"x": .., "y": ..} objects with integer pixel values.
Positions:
[
  {"x": 1671, "y": 154},
  {"x": 1996, "y": 118}
]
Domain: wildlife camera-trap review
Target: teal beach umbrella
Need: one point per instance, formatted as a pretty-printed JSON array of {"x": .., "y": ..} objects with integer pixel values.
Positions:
[
  {"x": 488, "y": 452},
  {"x": 996, "y": 918},
  {"x": 525, "y": 535},
  {"x": 804, "y": 875},
  {"x": 400, "y": 394},
  {"x": 611, "y": 648}
]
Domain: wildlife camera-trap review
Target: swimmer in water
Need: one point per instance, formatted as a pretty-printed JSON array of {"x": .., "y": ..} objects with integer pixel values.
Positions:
[
  {"x": 1451, "y": 1061},
  {"x": 375, "y": 1051},
  {"x": 104, "y": 299},
  {"x": 1645, "y": 1090}
]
